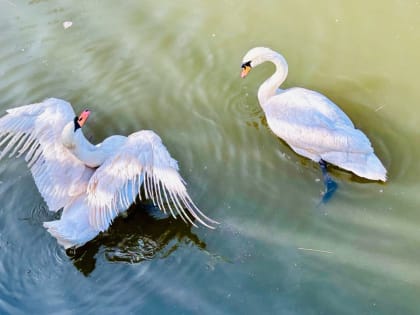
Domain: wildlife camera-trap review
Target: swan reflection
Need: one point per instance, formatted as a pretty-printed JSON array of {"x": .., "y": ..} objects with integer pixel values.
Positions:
[{"x": 143, "y": 234}]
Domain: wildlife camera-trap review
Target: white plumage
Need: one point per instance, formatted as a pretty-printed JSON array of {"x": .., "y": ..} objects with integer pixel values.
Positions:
[
  {"x": 93, "y": 183},
  {"x": 310, "y": 123}
]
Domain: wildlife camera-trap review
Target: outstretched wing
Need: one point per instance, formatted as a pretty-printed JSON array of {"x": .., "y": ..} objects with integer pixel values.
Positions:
[
  {"x": 36, "y": 130},
  {"x": 142, "y": 159}
]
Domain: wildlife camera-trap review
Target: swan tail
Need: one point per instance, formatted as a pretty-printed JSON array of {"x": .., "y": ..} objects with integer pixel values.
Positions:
[
  {"x": 376, "y": 168},
  {"x": 66, "y": 235},
  {"x": 73, "y": 229},
  {"x": 58, "y": 230},
  {"x": 364, "y": 165}
]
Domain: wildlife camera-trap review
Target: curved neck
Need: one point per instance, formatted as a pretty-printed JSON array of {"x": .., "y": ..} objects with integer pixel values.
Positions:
[
  {"x": 270, "y": 86},
  {"x": 80, "y": 147}
]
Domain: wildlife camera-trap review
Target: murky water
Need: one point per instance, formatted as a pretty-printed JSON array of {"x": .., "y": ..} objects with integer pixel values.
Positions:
[{"x": 173, "y": 66}]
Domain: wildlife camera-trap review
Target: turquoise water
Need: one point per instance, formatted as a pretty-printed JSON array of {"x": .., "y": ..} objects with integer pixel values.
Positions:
[{"x": 174, "y": 67}]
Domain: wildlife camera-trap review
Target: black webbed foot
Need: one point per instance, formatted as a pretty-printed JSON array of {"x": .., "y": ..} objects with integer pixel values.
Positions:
[{"x": 330, "y": 185}]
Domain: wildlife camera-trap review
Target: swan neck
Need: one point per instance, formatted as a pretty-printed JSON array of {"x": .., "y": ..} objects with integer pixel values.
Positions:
[
  {"x": 270, "y": 87},
  {"x": 81, "y": 148}
]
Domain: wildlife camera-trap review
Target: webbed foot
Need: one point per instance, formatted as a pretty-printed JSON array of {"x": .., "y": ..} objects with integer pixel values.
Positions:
[{"x": 330, "y": 185}]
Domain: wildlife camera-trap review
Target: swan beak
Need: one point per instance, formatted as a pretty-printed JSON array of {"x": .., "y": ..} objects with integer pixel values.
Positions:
[
  {"x": 245, "y": 71},
  {"x": 83, "y": 117}
]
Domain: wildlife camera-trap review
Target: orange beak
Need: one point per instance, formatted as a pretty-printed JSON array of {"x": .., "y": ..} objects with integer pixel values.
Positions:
[
  {"x": 83, "y": 117},
  {"x": 245, "y": 71}
]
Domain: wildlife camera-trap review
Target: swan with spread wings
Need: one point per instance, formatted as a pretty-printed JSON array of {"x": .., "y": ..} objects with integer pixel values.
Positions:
[{"x": 92, "y": 183}]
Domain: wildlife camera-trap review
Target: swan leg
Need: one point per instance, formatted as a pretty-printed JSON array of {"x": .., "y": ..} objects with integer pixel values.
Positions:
[
  {"x": 156, "y": 213},
  {"x": 330, "y": 185}
]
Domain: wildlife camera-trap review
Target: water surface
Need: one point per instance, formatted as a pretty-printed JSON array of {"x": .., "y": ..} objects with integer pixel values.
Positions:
[{"x": 173, "y": 67}]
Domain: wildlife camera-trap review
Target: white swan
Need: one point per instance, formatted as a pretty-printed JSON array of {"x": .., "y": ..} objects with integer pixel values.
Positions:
[
  {"x": 311, "y": 124},
  {"x": 93, "y": 183}
]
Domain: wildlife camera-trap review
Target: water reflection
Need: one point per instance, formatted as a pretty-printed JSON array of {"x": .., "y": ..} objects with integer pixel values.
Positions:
[{"x": 144, "y": 233}]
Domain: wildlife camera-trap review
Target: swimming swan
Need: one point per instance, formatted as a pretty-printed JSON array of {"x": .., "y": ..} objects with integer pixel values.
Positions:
[
  {"x": 93, "y": 183},
  {"x": 311, "y": 124}
]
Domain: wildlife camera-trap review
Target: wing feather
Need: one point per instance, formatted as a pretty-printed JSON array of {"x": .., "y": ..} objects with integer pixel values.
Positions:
[
  {"x": 308, "y": 120},
  {"x": 142, "y": 159},
  {"x": 35, "y": 129}
]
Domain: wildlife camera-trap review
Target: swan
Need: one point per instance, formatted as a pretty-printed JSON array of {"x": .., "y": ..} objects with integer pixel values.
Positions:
[
  {"x": 92, "y": 183},
  {"x": 311, "y": 124}
]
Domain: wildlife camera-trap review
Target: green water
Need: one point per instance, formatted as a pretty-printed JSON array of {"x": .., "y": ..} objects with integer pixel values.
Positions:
[{"x": 173, "y": 67}]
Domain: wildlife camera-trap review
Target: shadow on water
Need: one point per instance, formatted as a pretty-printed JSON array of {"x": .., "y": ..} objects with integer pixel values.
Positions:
[{"x": 143, "y": 233}]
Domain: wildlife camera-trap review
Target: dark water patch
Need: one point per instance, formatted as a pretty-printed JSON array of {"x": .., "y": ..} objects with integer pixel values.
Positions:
[{"x": 136, "y": 237}]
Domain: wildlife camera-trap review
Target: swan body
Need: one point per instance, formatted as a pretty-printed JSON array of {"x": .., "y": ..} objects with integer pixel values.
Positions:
[
  {"x": 311, "y": 124},
  {"x": 92, "y": 183}
]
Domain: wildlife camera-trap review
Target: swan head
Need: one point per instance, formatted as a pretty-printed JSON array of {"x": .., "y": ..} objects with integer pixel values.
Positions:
[
  {"x": 80, "y": 120},
  {"x": 72, "y": 132},
  {"x": 254, "y": 57}
]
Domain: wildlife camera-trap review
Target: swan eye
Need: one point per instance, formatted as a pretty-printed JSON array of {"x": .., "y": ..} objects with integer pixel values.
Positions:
[
  {"x": 246, "y": 64},
  {"x": 246, "y": 67}
]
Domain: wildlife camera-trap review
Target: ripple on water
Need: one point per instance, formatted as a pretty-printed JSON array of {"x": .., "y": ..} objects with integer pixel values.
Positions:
[
  {"x": 173, "y": 81},
  {"x": 138, "y": 239},
  {"x": 392, "y": 144}
]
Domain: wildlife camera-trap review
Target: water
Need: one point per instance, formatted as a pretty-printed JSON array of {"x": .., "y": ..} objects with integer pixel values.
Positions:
[{"x": 174, "y": 67}]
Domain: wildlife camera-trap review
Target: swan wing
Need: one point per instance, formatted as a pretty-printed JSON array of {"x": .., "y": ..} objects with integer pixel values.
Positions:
[
  {"x": 309, "y": 99},
  {"x": 35, "y": 129},
  {"x": 142, "y": 159},
  {"x": 309, "y": 121}
]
